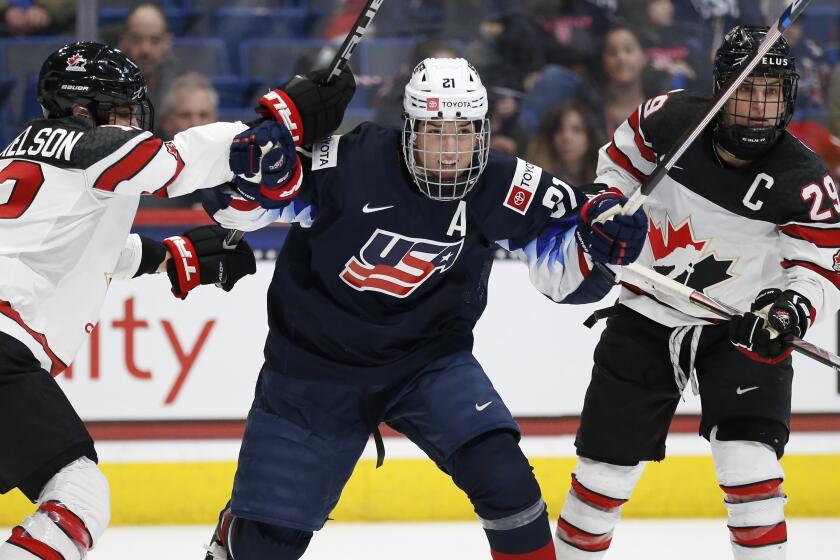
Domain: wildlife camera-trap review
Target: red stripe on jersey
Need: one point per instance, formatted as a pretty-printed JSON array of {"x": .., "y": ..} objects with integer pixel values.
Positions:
[
  {"x": 646, "y": 152},
  {"x": 243, "y": 205},
  {"x": 179, "y": 166},
  {"x": 22, "y": 539},
  {"x": 584, "y": 266},
  {"x": 594, "y": 498},
  {"x": 758, "y": 490},
  {"x": 376, "y": 284},
  {"x": 581, "y": 539},
  {"x": 624, "y": 162},
  {"x": 69, "y": 522},
  {"x": 759, "y": 536},
  {"x": 544, "y": 553},
  {"x": 57, "y": 365},
  {"x": 130, "y": 165},
  {"x": 820, "y": 237},
  {"x": 829, "y": 275}
]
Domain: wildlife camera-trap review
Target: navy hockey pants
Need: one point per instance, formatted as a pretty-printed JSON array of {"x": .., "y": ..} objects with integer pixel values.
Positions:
[{"x": 303, "y": 437}]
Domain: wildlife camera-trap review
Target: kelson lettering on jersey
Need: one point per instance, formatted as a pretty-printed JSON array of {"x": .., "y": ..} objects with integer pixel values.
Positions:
[
  {"x": 397, "y": 265},
  {"x": 48, "y": 142}
]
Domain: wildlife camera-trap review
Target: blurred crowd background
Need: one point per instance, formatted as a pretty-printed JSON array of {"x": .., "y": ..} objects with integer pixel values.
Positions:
[{"x": 561, "y": 74}]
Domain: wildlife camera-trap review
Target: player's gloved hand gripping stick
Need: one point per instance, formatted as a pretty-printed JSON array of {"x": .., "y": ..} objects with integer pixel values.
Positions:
[
  {"x": 317, "y": 100},
  {"x": 668, "y": 290}
]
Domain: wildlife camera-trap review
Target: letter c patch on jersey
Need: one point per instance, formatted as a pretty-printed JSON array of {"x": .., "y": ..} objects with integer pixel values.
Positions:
[
  {"x": 522, "y": 186},
  {"x": 397, "y": 265}
]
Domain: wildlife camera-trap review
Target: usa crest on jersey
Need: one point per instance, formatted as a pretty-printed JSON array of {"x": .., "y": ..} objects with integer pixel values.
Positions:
[{"x": 397, "y": 265}]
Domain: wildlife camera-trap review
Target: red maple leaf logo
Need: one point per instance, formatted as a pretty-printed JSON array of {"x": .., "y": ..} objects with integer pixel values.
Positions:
[
  {"x": 71, "y": 61},
  {"x": 664, "y": 243}
]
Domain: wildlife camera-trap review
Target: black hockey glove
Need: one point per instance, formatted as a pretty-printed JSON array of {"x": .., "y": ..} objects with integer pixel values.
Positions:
[
  {"x": 199, "y": 256},
  {"x": 620, "y": 239},
  {"x": 774, "y": 314},
  {"x": 310, "y": 108},
  {"x": 265, "y": 157}
]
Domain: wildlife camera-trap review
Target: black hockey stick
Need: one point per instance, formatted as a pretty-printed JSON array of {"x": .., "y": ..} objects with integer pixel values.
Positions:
[
  {"x": 339, "y": 62},
  {"x": 665, "y": 289},
  {"x": 682, "y": 144}
]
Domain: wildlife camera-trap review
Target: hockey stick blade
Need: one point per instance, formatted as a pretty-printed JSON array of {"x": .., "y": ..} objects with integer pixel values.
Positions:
[
  {"x": 681, "y": 145},
  {"x": 667, "y": 289}
]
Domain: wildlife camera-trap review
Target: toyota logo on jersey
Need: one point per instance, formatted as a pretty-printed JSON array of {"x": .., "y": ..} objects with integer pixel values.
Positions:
[{"x": 397, "y": 265}]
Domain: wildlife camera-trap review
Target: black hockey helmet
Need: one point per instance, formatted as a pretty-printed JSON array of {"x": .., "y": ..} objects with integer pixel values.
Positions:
[
  {"x": 97, "y": 77},
  {"x": 739, "y": 44}
]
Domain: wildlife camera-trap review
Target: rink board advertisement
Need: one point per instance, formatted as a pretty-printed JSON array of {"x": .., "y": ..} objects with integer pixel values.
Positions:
[{"x": 153, "y": 357}]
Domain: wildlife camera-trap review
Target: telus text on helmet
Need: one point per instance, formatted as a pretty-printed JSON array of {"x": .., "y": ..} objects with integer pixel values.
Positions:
[{"x": 774, "y": 61}]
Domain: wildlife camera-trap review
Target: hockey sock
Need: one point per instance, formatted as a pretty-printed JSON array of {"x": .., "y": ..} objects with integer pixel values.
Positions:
[
  {"x": 496, "y": 476},
  {"x": 751, "y": 477},
  {"x": 72, "y": 514},
  {"x": 593, "y": 508}
]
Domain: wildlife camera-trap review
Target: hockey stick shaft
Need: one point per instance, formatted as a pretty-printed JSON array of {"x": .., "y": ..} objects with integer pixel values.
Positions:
[
  {"x": 339, "y": 62},
  {"x": 682, "y": 144},
  {"x": 659, "y": 286}
]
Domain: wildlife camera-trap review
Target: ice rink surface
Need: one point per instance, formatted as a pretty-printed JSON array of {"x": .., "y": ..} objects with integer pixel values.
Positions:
[{"x": 810, "y": 539}]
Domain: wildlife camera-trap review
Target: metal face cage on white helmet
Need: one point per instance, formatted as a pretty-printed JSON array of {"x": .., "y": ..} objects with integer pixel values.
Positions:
[{"x": 446, "y": 133}]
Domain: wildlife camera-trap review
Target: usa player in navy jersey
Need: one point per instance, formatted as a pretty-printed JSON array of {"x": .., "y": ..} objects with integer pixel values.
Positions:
[
  {"x": 373, "y": 302},
  {"x": 750, "y": 216}
]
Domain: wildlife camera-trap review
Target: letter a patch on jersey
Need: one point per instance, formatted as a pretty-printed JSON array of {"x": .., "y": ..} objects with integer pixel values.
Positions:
[
  {"x": 397, "y": 265},
  {"x": 522, "y": 186}
]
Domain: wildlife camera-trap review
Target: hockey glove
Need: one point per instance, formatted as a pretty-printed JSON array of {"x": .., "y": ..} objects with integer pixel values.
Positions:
[
  {"x": 618, "y": 240},
  {"x": 774, "y": 314},
  {"x": 310, "y": 108},
  {"x": 265, "y": 156},
  {"x": 199, "y": 256}
]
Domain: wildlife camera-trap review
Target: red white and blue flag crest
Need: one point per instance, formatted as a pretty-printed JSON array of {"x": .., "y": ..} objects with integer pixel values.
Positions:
[{"x": 397, "y": 265}]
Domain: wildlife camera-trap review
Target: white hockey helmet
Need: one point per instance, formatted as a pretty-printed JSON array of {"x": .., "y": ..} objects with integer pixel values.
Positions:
[{"x": 445, "y": 161}]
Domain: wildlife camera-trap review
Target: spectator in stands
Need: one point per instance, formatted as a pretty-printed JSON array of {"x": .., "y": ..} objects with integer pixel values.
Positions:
[
  {"x": 145, "y": 38},
  {"x": 37, "y": 17},
  {"x": 674, "y": 50},
  {"x": 834, "y": 102},
  {"x": 388, "y": 97},
  {"x": 620, "y": 84},
  {"x": 566, "y": 143},
  {"x": 814, "y": 73},
  {"x": 507, "y": 134},
  {"x": 574, "y": 29},
  {"x": 190, "y": 101}
]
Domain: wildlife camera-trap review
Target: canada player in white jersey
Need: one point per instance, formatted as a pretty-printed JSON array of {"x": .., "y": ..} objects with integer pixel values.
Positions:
[
  {"x": 749, "y": 216},
  {"x": 69, "y": 189}
]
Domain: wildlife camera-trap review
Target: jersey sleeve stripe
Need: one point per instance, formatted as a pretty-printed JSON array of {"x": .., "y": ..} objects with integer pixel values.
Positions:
[
  {"x": 624, "y": 162},
  {"x": 644, "y": 149},
  {"x": 130, "y": 165},
  {"x": 821, "y": 237},
  {"x": 829, "y": 275},
  {"x": 57, "y": 365},
  {"x": 179, "y": 166}
]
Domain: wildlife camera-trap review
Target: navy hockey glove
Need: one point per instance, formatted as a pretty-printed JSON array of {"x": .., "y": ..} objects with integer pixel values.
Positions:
[
  {"x": 200, "y": 257},
  {"x": 311, "y": 109},
  {"x": 774, "y": 314},
  {"x": 265, "y": 156},
  {"x": 620, "y": 239}
]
